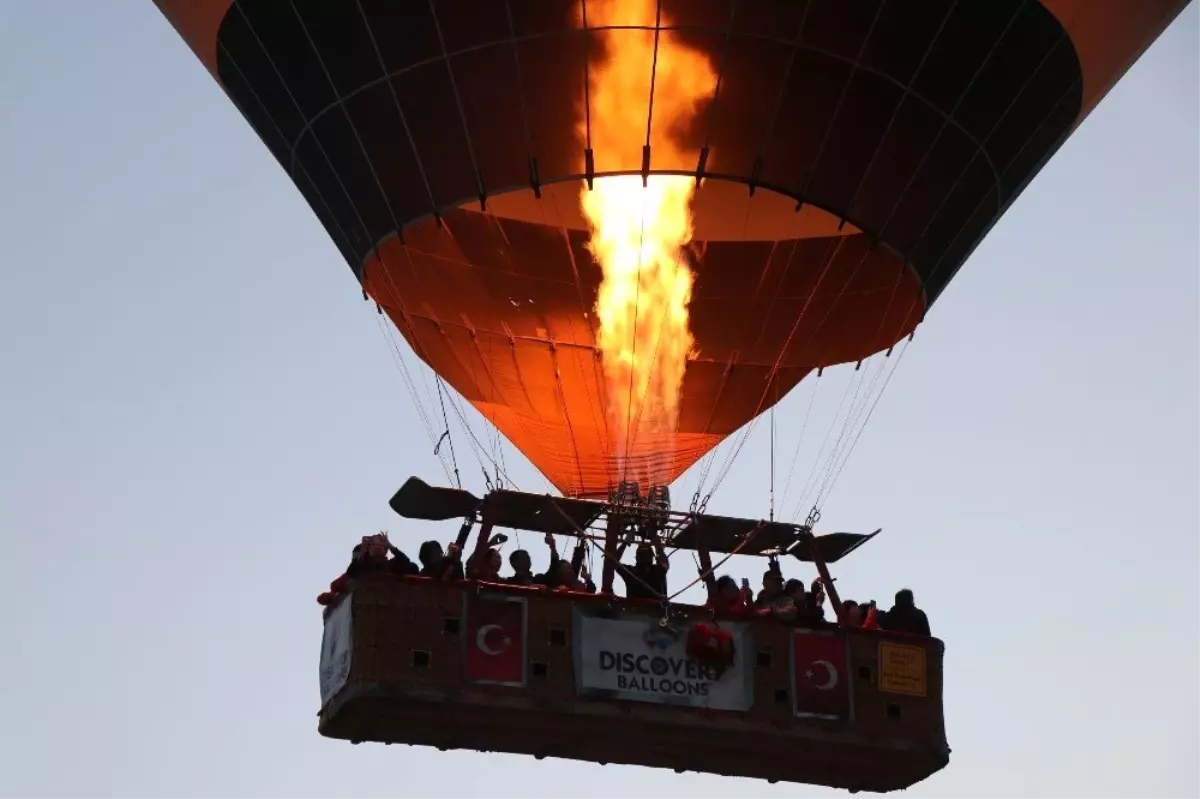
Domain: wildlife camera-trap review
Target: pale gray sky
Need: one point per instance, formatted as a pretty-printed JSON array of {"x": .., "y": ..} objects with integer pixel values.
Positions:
[{"x": 186, "y": 454}]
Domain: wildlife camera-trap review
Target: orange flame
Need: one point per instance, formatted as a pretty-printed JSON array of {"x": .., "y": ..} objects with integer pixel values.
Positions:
[{"x": 638, "y": 234}]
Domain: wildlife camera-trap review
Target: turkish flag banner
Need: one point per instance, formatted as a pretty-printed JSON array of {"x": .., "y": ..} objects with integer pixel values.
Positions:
[
  {"x": 820, "y": 674},
  {"x": 495, "y": 641}
]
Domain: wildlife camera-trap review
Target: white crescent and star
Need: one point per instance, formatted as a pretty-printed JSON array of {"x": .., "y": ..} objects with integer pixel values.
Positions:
[
  {"x": 831, "y": 680},
  {"x": 482, "y": 636}
]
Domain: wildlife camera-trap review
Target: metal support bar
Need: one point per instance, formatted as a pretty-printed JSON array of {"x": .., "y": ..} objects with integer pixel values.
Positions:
[
  {"x": 464, "y": 532},
  {"x": 815, "y": 552},
  {"x": 706, "y": 571},
  {"x": 611, "y": 535}
]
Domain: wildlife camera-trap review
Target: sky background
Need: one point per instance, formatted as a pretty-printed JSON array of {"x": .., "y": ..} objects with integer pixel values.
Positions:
[{"x": 199, "y": 416}]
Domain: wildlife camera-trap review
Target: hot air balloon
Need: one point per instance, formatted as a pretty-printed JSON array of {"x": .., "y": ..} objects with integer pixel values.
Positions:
[{"x": 622, "y": 229}]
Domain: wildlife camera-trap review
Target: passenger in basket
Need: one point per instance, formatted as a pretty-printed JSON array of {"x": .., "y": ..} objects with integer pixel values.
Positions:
[
  {"x": 772, "y": 600},
  {"x": 551, "y": 579},
  {"x": 871, "y": 618},
  {"x": 586, "y": 575},
  {"x": 818, "y": 599},
  {"x": 851, "y": 614},
  {"x": 905, "y": 616},
  {"x": 357, "y": 555},
  {"x": 801, "y": 600},
  {"x": 647, "y": 579},
  {"x": 565, "y": 579},
  {"x": 522, "y": 566},
  {"x": 439, "y": 565},
  {"x": 339, "y": 586},
  {"x": 726, "y": 597},
  {"x": 486, "y": 567},
  {"x": 400, "y": 564},
  {"x": 366, "y": 558},
  {"x": 772, "y": 590},
  {"x": 371, "y": 559}
]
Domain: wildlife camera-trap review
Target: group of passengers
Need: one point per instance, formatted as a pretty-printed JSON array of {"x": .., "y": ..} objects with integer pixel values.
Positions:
[
  {"x": 790, "y": 601},
  {"x": 787, "y": 601},
  {"x": 370, "y": 557}
]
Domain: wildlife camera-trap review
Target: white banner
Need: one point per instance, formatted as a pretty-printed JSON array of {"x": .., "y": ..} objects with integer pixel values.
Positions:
[
  {"x": 634, "y": 658},
  {"x": 336, "y": 644}
]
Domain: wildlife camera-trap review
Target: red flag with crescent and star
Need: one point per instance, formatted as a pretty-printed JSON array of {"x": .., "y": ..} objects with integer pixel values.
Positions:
[
  {"x": 496, "y": 640},
  {"x": 821, "y": 675}
]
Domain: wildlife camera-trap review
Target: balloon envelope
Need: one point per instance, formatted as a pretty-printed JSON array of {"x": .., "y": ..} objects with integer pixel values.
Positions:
[{"x": 854, "y": 156}]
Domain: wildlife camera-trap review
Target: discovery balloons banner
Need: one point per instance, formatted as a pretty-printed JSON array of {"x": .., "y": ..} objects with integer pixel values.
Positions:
[{"x": 634, "y": 658}]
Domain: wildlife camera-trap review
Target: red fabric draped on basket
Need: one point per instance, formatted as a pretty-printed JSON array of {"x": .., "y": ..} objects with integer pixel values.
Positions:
[{"x": 708, "y": 644}]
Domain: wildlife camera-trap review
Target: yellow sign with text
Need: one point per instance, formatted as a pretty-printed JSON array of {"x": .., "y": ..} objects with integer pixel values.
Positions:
[{"x": 902, "y": 669}]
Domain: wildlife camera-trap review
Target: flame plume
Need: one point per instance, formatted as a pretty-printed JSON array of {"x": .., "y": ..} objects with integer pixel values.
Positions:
[{"x": 639, "y": 234}]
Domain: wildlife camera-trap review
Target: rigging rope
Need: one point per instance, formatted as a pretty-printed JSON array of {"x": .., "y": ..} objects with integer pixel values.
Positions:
[
  {"x": 771, "y": 500},
  {"x": 853, "y": 415},
  {"x": 477, "y": 446},
  {"x": 446, "y": 421},
  {"x": 857, "y": 381},
  {"x": 854, "y": 443},
  {"x": 812, "y": 398},
  {"x": 449, "y": 466},
  {"x": 812, "y": 472},
  {"x": 710, "y": 572},
  {"x": 710, "y": 457},
  {"x": 414, "y": 395},
  {"x": 833, "y": 250}
]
